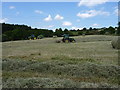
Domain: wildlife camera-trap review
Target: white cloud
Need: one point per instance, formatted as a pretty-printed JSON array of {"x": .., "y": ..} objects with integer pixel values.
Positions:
[
  {"x": 58, "y": 17},
  {"x": 49, "y": 18},
  {"x": 95, "y": 24},
  {"x": 38, "y": 12},
  {"x": 12, "y": 7},
  {"x": 92, "y": 13},
  {"x": 67, "y": 23},
  {"x": 50, "y": 26},
  {"x": 54, "y": 29},
  {"x": 76, "y": 28},
  {"x": 91, "y": 3},
  {"x": 116, "y": 11},
  {"x": 47, "y": 27},
  {"x": 3, "y": 20}
]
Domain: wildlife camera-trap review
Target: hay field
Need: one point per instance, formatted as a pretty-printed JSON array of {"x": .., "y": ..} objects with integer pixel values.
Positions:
[{"x": 91, "y": 62}]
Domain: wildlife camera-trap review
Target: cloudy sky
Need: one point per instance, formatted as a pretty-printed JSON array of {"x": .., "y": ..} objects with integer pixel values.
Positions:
[{"x": 71, "y": 15}]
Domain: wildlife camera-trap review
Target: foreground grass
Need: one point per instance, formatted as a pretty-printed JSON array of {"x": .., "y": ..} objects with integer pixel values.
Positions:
[
  {"x": 54, "y": 70},
  {"x": 91, "y": 62}
]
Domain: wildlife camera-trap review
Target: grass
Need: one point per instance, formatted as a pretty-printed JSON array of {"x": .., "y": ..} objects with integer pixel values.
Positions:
[{"x": 90, "y": 62}]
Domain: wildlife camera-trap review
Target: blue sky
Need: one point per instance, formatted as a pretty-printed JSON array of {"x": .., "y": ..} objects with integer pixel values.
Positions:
[{"x": 52, "y": 15}]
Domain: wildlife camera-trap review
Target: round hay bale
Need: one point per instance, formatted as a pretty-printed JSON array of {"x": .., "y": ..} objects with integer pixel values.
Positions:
[
  {"x": 116, "y": 42},
  {"x": 54, "y": 36}
]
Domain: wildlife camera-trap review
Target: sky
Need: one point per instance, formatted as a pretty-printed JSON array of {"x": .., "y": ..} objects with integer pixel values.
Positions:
[{"x": 52, "y": 15}]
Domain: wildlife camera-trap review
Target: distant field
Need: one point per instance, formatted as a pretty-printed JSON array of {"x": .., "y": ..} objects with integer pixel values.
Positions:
[{"x": 90, "y": 62}]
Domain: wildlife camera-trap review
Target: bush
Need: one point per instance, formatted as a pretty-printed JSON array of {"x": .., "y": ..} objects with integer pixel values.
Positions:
[
  {"x": 4, "y": 37},
  {"x": 116, "y": 42}
]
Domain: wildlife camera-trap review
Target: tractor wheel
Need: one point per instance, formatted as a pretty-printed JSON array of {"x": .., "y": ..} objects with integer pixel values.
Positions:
[
  {"x": 73, "y": 41},
  {"x": 66, "y": 41}
]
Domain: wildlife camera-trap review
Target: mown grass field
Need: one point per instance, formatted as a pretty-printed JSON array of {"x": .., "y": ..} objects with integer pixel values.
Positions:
[{"x": 91, "y": 62}]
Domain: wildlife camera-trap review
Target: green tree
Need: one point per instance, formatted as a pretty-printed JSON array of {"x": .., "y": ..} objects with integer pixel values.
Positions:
[
  {"x": 111, "y": 30},
  {"x": 90, "y": 28},
  {"x": 84, "y": 29},
  {"x": 66, "y": 31},
  {"x": 118, "y": 24},
  {"x": 59, "y": 32},
  {"x": 4, "y": 37}
]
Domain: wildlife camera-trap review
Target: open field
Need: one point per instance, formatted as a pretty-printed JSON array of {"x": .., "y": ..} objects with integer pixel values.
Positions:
[{"x": 90, "y": 62}]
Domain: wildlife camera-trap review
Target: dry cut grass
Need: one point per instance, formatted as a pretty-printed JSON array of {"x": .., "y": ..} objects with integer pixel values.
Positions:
[{"x": 90, "y": 62}]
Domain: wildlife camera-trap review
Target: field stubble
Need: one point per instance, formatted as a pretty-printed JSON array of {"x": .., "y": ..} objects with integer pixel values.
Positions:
[{"x": 90, "y": 62}]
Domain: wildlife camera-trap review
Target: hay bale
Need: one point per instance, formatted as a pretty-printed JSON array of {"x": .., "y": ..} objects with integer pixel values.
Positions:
[
  {"x": 54, "y": 36},
  {"x": 116, "y": 42}
]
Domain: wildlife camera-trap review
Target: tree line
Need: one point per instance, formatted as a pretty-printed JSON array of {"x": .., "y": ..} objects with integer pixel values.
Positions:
[{"x": 11, "y": 32}]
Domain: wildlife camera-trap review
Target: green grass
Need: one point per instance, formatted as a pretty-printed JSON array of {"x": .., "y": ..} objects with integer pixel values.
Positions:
[{"x": 90, "y": 62}]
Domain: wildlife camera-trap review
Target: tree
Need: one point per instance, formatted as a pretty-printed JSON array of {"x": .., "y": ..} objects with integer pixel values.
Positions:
[
  {"x": 66, "y": 31},
  {"x": 19, "y": 32},
  {"x": 59, "y": 32},
  {"x": 118, "y": 24},
  {"x": 4, "y": 37},
  {"x": 90, "y": 28},
  {"x": 84, "y": 29},
  {"x": 60, "y": 29},
  {"x": 111, "y": 30}
]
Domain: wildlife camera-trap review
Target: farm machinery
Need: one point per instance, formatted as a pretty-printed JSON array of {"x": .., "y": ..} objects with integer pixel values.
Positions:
[
  {"x": 32, "y": 37},
  {"x": 66, "y": 39}
]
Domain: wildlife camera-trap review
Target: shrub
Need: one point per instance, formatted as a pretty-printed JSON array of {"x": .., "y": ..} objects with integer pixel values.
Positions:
[{"x": 4, "y": 37}]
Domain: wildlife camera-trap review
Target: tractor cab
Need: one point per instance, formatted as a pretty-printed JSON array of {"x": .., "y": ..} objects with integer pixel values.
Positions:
[{"x": 65, "y": 36}]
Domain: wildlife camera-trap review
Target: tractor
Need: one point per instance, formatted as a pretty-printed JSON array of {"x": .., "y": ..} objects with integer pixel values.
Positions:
[
  {"x": 32, "y": 37},
  {"x": 66, "y": 39}
]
